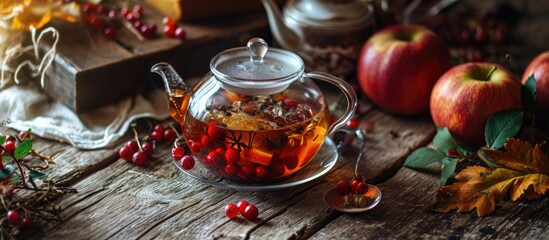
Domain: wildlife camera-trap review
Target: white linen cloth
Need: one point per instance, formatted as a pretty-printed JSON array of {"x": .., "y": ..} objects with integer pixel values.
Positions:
[{"x": 30, "y": 108}]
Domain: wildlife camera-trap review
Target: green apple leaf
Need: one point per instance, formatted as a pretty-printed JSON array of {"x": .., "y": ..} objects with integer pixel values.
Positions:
[
  {"x": 6, "y": 158},
  {"x": 443, "y": 139},
  {"x": 36, "y": 174},
  {"x": 2, "y": 140},
  {"x": 448, "y": 169},
  {"x": 424, "y": 156},
  {"x": 7, "y": 171},
  {"x": 23, "y": 148},
  {"x": 529, "y": 94},
  {"x": 501, "y": 126}
]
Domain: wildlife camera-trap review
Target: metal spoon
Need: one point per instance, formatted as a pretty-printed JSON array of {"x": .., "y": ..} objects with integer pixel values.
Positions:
[{"x": 333, "y": 198}]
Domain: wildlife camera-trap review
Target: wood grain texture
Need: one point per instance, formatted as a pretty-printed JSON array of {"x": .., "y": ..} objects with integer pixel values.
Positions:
[
  {"x": 158, "y": 201},
  {"x": 402, "y": 214}
]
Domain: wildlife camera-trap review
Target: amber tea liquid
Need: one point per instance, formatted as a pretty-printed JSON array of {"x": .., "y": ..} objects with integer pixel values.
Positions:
[{"x": 252, "y": 155}]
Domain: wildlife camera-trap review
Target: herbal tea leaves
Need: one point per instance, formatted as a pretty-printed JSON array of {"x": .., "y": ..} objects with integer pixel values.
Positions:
[
  {"x": 501, "y": 126},
  {"x": 525, "y": 176}
]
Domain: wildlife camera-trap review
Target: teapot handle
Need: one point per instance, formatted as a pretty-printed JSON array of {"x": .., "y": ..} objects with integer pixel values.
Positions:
[{"x": 347, "y": 91}]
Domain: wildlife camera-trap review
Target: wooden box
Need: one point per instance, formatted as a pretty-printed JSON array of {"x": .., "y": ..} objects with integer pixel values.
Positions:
[
  {"x": 91, "y": 70},
  {"x": 192, "y": 10}
]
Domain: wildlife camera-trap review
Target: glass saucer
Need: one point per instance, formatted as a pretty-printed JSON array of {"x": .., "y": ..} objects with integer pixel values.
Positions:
[{"x": 324, "y": 160}]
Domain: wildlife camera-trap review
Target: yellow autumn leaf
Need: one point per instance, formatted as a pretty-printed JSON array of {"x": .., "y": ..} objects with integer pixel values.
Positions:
[
  {"x": 521, "y": 156},
  {"x": 482, "y": 188}
]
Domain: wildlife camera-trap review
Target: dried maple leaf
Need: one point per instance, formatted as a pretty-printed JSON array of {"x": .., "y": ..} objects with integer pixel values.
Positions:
[{"x": 526, "y": 176}]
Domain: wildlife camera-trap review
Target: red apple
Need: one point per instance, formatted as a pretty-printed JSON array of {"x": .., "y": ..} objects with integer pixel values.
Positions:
[
  {"x": 467, "y": 95},
  {"x": 540, "y": 68},
  {"x": 399, "y": 65}
]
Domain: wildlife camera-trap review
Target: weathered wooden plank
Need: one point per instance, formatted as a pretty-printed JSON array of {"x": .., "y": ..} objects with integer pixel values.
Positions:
[
  {"x": 159, "y": 201},
  {"x": 402, "y": 215},
  {"x": 71, "y": 164}
]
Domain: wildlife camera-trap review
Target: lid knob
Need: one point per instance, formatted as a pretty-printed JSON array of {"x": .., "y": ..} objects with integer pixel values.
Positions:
[{"x": 257, "y": 47}]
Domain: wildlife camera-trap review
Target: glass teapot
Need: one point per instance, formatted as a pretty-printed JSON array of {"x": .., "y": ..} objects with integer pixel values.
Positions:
[{"x": 257, "y": 116}]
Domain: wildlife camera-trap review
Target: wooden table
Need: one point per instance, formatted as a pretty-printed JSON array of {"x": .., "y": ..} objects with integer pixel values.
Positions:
[{"x": 119, "y": 200}]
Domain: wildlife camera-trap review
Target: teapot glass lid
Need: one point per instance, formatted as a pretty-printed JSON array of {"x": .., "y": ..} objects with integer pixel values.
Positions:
[{"x": 256, "y": 69}]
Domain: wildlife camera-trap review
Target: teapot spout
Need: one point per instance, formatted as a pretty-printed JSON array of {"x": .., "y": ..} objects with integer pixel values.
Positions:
[
  {"x": 178, "y": 92},
  {"x": 287, "y": 38}
]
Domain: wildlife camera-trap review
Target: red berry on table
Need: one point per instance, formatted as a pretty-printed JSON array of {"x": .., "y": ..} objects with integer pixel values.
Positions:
[
  {"x": 126, "y": 153},
  {"x": 250, "y": 212},
  {"x": 109, "y": 32},
  {"x": 231, "y": 211},
  {"x": 353, "y": 123},
  {"x": 10, "y": 138},
  {"x": 180, "y": 33},
  {"x": 187, "y": 162},
  {"x": 95, "y": 22},
  {"x": 169, "y": 30},
  {"x": 133, "y": 145},
  {"x": 242, "y": 205},
  {"x": 13, "y": 216},
  {"x": 137, "y": 25},
  {"x": 169, "y": 135},
  {"x": 131, "y": 16},
  {"x": 139, "y": 158},
  {"x": 112, "y": 13},
  {"x": 344, "y": 187},
  {"x": 168, "y": 21},
  {"x": 26, "y": 222},
  {"x": 178, "y": 152},
  {"x": 362, "y": 188},
  {"x": 147, "y": 148},
  {"x": 23, "y": 135},
  {"x": 148, "y": 30},
  {"x": 232, "y": 155},
  {"x": 9, "y": 146},
  {"x": 159, "y": 127},
  {"x": 89, "y": 7},
  {"x": 138, "y": 9},
  {"x": 157, "y": 136},
  {"x": 125, "y": 11}
]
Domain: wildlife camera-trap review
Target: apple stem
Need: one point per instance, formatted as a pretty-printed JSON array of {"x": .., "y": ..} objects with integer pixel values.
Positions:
[{"x": 490, "y": 73}]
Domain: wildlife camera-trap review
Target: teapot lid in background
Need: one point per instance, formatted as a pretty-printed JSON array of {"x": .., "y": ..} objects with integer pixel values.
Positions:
[
  {"x": 330, "y": 13},
  {"x": 256, "y": 69}
]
